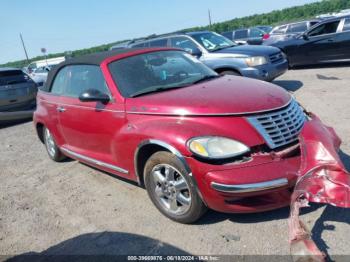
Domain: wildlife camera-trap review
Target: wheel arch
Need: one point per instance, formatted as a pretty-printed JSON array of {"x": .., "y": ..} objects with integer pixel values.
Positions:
[
  {"x": 219, "y": 70},
  {"x": 147, "y": 148}
]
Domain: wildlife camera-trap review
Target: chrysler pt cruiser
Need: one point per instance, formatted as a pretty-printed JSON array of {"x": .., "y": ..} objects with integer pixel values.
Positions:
[{"x": 193, "y": 139}]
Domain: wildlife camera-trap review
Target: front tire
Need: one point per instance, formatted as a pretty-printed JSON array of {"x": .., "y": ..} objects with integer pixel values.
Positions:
[
  {"x": 51, "y": 146},
  {"x": 170, "y": 189}
]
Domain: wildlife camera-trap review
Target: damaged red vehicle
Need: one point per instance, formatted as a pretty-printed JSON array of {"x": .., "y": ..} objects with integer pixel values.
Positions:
[{"x": 193, "y": 138}]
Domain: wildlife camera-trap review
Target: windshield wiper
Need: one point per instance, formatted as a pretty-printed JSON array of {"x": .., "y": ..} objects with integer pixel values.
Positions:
[
  {"x": 205, "y": 78},
  {"x": 223, "y": 47},
  {"x": 155, "y": 90}
]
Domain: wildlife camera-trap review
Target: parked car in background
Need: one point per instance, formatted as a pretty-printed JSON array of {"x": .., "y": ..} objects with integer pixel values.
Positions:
[
  {"x": 266, "y": 28},
  {"x": 326, "y": 42},
  {"x": 17, "y": 95},
  {"x": 121, "y": 45},
  {"x": 39, "y": 74},
  {"x": 223, "y": 55},
  {"x": 44, "y": 63},
  {"x": 283, "y": 32},
  {"x": 193, "y": 138},
  {"x": 250, "y": 36}
]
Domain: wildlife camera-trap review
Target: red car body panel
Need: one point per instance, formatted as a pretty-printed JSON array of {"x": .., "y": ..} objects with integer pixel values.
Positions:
[
  {"x": 113, "y": 134},
  {"x": 322, "y": 178}
]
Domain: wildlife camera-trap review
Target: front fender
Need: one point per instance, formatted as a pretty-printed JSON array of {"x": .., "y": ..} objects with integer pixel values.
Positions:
[{"x": 173, "y": 132}]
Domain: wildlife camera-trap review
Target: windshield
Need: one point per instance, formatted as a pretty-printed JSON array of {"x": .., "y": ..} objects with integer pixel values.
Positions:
[
  {"x": 157, "y": 71},
  {"x": 212, "y": 41}
]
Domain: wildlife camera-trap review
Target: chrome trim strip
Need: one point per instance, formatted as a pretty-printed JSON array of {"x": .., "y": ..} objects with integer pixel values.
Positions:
[
  {"x": 83, "y": 107},
  {"x": 94, "y": 161},
  {"x": 213, "y": 114},
  {"x": 246, "y": 188}
]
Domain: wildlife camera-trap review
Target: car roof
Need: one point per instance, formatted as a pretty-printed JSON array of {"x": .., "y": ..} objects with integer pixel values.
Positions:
[
  {"x": 92, "y": 59},
  {"x": 3, "y": 69},
  {"x": 297, "y": 22},
  {"x": 95, "y": 58},
  {"x": 333, "y": 18},
  {"x": 196, "y": 32}
]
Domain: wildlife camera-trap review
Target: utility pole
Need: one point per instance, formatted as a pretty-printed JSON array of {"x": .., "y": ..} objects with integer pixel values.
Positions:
[
  {"x": 24, "y": 47},
  {"x": 209, "y": 18}
]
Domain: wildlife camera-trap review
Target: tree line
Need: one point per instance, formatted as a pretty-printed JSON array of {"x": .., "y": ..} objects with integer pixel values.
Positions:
[{"x": 276, "y": 17}]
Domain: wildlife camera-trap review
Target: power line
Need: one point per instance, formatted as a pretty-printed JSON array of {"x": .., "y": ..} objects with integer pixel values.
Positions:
[
  {"x": 209, "y": 15},
  {"x": 24, "y": 47}
]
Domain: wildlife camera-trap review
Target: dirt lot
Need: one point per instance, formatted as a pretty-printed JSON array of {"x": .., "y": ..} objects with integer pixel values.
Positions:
[{"x": 70, "y": 208}]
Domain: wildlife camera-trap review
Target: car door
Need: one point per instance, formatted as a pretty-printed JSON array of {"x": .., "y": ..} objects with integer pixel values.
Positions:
[
  {"x": 343, "y": 40},
  {"x": 88, "y": 128},
  {"x": 320, "y": 44}
]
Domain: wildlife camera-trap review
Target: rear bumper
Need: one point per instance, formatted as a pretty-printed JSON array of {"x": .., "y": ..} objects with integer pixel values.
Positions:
[
  {"x": 266, "y": 72},
  {"x": 17, "y": 115}
]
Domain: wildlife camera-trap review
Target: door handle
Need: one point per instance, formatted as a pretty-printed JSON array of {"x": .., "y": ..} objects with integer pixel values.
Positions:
[
  {"x": 60, "y": 109},
  {"x": 330, "y": 40}
]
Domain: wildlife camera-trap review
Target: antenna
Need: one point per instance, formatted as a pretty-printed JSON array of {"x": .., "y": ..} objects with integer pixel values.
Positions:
[
  {"x": 209, "y": 15},
  {"x": 24, "y": 47}
]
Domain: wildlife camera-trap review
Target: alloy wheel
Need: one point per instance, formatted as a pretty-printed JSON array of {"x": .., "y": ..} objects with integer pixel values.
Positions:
[{"x": 171, "y": 189}]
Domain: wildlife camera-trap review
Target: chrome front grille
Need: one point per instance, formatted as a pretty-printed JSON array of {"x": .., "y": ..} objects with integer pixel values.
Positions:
[
  {"x": 281, "y": 127},
  {"x": 276, "y": 58}
]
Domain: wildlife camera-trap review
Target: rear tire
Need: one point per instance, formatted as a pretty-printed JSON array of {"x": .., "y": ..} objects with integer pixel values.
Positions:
[
  {"x": 51, "y": 147},
  {"x": 170, "y": 189},
  {"x": 230, "y": 72}
]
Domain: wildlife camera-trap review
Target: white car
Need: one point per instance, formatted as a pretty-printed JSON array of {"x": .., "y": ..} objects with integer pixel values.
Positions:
[{"x": 39, "y": 75}]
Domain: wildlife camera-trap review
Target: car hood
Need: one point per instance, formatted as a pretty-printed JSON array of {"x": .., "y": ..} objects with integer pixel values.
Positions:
[
  {"x": 249, "y": 50},
  {"x": 227, "y": 95}
]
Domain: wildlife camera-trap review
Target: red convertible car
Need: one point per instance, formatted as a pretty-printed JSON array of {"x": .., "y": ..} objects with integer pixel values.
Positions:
[{"x": 193, "y": 138}]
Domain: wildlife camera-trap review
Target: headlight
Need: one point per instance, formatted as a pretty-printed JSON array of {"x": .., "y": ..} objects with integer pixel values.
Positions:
[
  {"x": 255, "y": 60},
  {"x": 216, "y": 147}
]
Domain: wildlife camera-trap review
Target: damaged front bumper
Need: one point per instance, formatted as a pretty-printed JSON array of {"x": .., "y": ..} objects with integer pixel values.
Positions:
[{"x": 322, "y": 178}]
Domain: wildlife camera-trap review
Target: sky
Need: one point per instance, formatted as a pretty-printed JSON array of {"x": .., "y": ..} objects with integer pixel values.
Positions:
[{"x": 67, "y": 25}]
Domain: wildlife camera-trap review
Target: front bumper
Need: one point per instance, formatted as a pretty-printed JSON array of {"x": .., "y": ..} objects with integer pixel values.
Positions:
[
  {"x": 266, "y": 72},
  {"x": 248, "y": 188},
  {"x": 265, "y": 182}
]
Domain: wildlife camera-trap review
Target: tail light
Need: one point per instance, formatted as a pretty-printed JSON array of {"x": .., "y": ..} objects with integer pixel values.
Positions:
[{"x": 266, "y": 36}]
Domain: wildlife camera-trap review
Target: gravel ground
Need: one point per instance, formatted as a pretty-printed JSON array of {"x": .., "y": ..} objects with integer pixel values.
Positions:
[{"x": 70, "y": 208}]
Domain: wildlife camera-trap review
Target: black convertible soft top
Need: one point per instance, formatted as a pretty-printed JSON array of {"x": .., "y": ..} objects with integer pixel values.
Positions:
[{"x": 91, "y": 59}]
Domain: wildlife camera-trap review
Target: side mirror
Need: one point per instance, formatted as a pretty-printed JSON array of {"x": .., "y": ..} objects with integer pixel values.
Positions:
[
  {"x": 305, "y": 36},
  {"x": 195, "y": 52},
  {"x": 94, "y": 95}
]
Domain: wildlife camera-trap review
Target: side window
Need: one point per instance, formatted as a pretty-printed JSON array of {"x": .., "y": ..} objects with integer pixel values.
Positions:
[
  {"x": 83, "y": 77},
  {"x": 183, "y": 43},
  {"x": 280, "y": 30},
  {"x": 240, "y": 34},
  {"x": 312, "y": 23},
  {"x": 139, "y": 45},
  {"x": 227, "y": 34},
  {"x": 346, "y": 25},
  {"x": 254, "y": 32},
  {"x": 297, "y": 28},
  {"x": 59, "y": 82},
  {"x": 159, "y": 43},
  {"x": 326, "y": 28}
]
